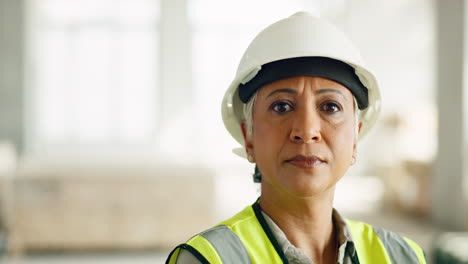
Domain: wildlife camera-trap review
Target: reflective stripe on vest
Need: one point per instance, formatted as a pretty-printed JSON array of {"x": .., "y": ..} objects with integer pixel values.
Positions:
[
  {"x": 227, "y": 244},
  {"x": 244, "y": 239},
  {"x": 244, "y": 227},
  {"x": 377, "y": 245},
  {"x": 398, "y": 250}
]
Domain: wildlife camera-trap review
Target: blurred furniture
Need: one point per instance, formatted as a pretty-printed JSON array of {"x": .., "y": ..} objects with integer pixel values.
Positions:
[
  {"x": 451, "y": 248},
  {"x": 65, "y": 207},
  {"x": 7, "y": 173},
  {"x": 408, "y": 186}
]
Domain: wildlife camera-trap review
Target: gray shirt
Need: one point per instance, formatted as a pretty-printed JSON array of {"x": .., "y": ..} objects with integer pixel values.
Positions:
[{"x": 293, "y": 254}]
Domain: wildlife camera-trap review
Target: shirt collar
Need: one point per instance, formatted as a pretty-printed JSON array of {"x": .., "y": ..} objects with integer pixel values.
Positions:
[{"x": 344, "y": 237}]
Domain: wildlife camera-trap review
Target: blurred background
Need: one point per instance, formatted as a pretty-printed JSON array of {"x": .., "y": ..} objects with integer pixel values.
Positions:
[{"x": 112, "y": 146}]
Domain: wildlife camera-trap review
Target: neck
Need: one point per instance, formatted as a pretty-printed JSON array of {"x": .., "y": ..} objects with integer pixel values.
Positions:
[{"x": 306, "y": 222}]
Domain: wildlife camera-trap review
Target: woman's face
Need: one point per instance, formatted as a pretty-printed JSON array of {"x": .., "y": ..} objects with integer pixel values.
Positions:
[{"x": 303, "y": 138}]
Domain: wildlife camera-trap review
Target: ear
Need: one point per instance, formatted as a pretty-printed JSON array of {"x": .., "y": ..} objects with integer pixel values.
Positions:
[
  {"x": 247, "y": 139},
  {"x": 355, "y": 142}
]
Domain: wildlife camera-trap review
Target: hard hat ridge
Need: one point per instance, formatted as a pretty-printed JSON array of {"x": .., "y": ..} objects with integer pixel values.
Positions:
[{"x": 306, "y": 66}]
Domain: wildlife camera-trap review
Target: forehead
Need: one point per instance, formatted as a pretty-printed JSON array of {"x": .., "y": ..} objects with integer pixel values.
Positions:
[{"x": 301, "y": 82}]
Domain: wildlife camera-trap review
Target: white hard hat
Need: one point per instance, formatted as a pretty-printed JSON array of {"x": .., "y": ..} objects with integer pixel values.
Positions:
[{"x": 300, "y": 35}]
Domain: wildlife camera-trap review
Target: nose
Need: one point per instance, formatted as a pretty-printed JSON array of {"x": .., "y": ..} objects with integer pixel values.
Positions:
[{"x": 306, "y": 127}]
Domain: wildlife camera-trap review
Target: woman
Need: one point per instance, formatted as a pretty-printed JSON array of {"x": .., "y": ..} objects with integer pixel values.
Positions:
[{"x": 299, "y": 103}]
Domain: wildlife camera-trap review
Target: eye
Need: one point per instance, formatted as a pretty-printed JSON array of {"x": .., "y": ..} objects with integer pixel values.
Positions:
[
  {"x": 281, "y": 107},
  {"x": 330, "y": 107}
]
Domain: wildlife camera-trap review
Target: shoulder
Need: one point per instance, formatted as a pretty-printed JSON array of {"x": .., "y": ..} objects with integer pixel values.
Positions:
[
  {"x": 214, "y": 244},
  {"x": 241, "y": 218},
  {"x": 396, "y": 246}
]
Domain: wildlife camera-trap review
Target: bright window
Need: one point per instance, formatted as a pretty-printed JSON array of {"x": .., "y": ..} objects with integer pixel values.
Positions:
[{"x": 94, "y": 74}]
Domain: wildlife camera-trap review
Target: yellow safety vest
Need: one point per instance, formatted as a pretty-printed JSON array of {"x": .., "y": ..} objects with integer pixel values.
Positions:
[{"x": 246, "y": 238}]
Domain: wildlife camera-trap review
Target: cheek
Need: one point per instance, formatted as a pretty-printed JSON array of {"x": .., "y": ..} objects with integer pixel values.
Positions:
[
  {"x": 269, "y": 137},
  {"x": 342, "y": 141}
]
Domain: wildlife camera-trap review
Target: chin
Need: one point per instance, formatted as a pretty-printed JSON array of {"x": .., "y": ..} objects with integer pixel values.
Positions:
[{"x": 306, "y": 188}]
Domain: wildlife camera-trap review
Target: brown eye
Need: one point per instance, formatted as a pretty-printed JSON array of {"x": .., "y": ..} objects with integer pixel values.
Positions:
[
  {"x": 281, "y": 107},
  {"x": 330, "y": 107}
]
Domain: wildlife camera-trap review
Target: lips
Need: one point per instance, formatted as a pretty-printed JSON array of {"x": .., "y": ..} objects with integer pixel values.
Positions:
[{"x": 306, "y": 162}]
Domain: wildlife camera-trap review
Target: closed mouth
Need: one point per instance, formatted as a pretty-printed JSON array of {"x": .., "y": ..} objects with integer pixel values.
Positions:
[{"x": 305, "y": 162}]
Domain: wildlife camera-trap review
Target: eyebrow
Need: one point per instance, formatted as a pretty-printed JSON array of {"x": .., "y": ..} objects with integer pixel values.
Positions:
[{"x": 292, "y": 91}]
